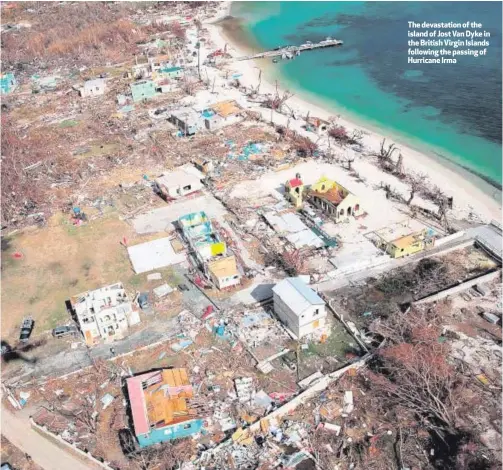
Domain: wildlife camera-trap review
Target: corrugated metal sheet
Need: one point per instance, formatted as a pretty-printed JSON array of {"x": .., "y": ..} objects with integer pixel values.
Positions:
[
  {"x": 137, "y": 402},
  {"x": 297, "y": 295},
  {"x": 305, "y": 238},
  {"x": 293, "y": 222}
]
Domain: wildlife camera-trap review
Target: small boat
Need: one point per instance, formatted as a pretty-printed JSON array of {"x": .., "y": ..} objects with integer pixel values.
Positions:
[{"x": 274, "y": 61}]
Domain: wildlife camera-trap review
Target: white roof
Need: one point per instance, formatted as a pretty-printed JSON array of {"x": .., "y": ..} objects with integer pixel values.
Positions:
[
  {"x": 153, "y": 255},
  {"x": 182, "y": 176},
  {"x": 188, "y": 115},
  {"x": 288, "y": 222},
  {"x": 305, "y": 238},
  {"x": 97, "y": 82},
  {"x": 297, "y": 294},
  {"x": 400, "y": 229}
]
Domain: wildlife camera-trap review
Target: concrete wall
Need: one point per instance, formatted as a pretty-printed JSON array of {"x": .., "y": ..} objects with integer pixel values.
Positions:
[
  {"x": 283, "y": 311},
  {"x": 310, "y": 327},
  {"x": 462, "y": 287},
  {"x": 449, "y": 238},
  {"x": 287, "y": 408},
  {"x": 303, "y": 325},
  {"x": 223, "y": 283},
  {"x": 168, "y": 433}
]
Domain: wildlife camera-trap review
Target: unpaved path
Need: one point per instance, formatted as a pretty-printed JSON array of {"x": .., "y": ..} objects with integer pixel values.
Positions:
[{"x": 49, "y": 456}]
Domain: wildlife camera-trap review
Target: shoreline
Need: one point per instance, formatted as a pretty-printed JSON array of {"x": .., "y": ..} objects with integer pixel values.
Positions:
[
  {"x": 465, "y": 185},
  {"x": 485, "y": 183}
]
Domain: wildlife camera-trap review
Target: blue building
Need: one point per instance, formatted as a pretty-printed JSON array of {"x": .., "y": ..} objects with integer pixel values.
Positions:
[
  {"x": 143, "y": 90},
  {"x": 160, "y": 406}
]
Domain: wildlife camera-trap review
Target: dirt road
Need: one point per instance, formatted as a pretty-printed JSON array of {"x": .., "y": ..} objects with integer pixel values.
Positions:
[{"x": 43, "y": 452}]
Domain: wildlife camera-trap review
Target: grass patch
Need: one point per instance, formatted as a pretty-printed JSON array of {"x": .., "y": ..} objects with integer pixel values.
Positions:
[
  {"x": 68, "y": 123},
  {"x": 57, "y": 264},
  {"x": 337, "y": 344},
  {"x": 56, "y": 318},
  {"x": 97, "y": 150}
]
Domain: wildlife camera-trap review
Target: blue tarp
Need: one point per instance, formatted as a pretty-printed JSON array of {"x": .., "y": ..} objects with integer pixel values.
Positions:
[
  {"x": 7, "y": 83},
  {"x": 251, "y": 148},
  {"x": 184, "y": 343}
]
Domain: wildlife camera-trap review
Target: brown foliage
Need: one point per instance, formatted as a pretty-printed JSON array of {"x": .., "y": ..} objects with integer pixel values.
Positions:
[
  {"x": 338, "y": 133},
  {"x": 177, "y": 30},
  {"x": 304, "y": 145},
  {"x": 294, "y": 261},
  {"x": 19, "y": 192},
  {"x": 90, "y": 33},
  {"x": 414, "y": 372}
]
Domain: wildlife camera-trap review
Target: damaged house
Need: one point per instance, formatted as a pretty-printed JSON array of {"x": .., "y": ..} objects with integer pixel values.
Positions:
[
  {"x": 178, "y": 183},
  {"x": 94, "y": 87},
  {"x": 209, "y": 250},
  {"x": 160, "y": 406},
  {"x": 104, "y": 314},
  {"x": 335, "y": 200},
  {"x": 222, "y": 114},
  {"x": 404, "y": 238},
  {"x": 187, "y": 120},
  {"x": 143, "y": 90}
]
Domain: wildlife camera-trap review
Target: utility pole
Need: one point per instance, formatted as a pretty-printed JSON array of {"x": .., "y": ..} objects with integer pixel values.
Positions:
[{"x": 198, "y": 46}]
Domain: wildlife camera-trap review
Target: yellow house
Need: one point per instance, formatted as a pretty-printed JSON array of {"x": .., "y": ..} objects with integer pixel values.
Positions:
[
  {"x": 404, "y": 238},
  {"x": 224, "y": 272},
  {"x": 294, "y": 190},
  {"x": 335, "y": 200}
]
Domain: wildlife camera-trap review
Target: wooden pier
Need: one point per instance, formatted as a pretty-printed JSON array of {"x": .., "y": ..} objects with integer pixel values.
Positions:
[{"x": 292, "y": 51}]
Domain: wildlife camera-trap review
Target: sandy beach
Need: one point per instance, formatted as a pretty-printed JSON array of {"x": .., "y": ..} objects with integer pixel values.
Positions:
[{"x": 474, "y": 198}]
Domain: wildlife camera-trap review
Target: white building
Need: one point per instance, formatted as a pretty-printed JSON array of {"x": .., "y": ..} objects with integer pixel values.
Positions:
[
  {"x": 178, "y": 183},
  {"x": 93, "y": 88},
  {"x": 105, "y": 313},
  {"x": 187, "y": 120},
  {"x": 299, "y": 307},
  {"x": 224, "y": 272}
]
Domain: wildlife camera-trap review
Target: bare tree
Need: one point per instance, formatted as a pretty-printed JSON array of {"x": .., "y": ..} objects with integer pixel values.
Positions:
[
  {"x": 399, "y": 170},
  {"x": 277, "y": 101},
  {"x": 413, "y": 371},
  {"x": 416, "y": 182},
  {"x": 349, "y": 161},
  {"x": 385, "y": 154}
]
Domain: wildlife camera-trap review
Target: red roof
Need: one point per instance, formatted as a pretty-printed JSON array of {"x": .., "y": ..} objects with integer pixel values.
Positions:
[
  {"x": 295, "y": 182},
  {"x": 137, "y": 402}
]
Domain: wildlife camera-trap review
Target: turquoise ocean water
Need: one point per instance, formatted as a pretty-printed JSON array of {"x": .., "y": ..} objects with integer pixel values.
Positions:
[{"x": 452, "y": 110}]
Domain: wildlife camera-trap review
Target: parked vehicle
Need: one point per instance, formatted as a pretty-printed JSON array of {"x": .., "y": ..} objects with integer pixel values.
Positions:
[
  {"x": 183, "y": 287},
  {"x": 6, "y": 349},
  {"x": 62, "y": 331},
  {"x": 143, "y": 301},
  {"x": 26, "y": 329}
]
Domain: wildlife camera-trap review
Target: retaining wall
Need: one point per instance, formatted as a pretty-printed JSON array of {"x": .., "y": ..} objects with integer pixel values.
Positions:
[{"x": 449, "y": 238}]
